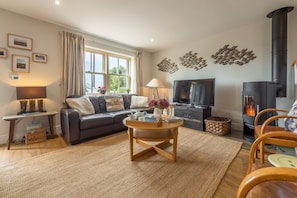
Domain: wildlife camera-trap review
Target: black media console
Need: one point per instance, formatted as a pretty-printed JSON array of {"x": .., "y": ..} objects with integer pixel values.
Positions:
[{"x": 193, "y": 116}]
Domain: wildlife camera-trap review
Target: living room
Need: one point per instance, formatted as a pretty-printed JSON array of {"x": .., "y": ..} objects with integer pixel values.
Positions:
[
  {"x": 46, "y": 37},
  {"x": 229, "y": 78}
]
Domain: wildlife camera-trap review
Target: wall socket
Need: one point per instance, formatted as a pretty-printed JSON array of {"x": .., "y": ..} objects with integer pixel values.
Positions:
[{"x": 15, "y": 77}]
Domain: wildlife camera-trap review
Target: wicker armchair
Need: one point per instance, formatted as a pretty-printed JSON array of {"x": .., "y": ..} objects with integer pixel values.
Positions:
[{"x": 262, "y": 180}]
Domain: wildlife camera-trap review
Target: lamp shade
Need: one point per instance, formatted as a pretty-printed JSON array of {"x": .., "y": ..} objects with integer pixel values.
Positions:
[
  {"x": 30, "y": 92},
  {"x": 155, "y": 83}
]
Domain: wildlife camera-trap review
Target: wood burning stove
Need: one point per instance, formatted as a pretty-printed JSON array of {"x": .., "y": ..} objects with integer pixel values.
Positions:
[{"x": 256, "y": 96}]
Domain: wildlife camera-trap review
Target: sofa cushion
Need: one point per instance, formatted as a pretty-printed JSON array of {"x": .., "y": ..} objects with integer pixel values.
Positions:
[
  {"x": 139, "y": 102},
  {"x": 95, "y": 120},
  {"x": 127, "y": 100},
  {"x": 120, "y": 115},
  {"x": 114, "y": 104},
  {"x": 94, "y": 100},
  {"x": 102, "y": 103},
  {"x": 82, "y": 104}
]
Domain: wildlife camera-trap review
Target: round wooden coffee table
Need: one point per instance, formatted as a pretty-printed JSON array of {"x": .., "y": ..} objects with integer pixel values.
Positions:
[{"x": 145, "y": 131}]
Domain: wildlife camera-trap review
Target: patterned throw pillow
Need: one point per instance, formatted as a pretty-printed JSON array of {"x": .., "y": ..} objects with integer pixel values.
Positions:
[
  {"x": 114, "y": 104},
  {"x": 82, "y": 104},
  {"x": 139, "y": 102},
  {"x": 290, "y": 123}
]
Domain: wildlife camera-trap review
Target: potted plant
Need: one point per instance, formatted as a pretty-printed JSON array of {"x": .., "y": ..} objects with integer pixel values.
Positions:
[
  {"x": 158, "y": 105},
  {"x": 128, "y": 90},
  {"x": 102, "y": 89}
]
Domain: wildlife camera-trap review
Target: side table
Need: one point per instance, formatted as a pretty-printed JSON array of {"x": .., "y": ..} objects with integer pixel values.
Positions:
[{"x": 13, "y": 118}]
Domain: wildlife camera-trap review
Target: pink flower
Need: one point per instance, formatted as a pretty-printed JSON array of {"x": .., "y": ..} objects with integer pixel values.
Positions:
[
  {"x": 101, "y": 88},
  {"x": 161, "y": 104}
]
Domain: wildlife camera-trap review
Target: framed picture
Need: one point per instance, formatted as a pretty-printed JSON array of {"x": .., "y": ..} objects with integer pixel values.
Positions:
[
  {"x": 3, "y": 53},
  {"x": 20, "y": 63},
  {"x": 42, "y": 58},
  {"x": 20, "y": 42}
]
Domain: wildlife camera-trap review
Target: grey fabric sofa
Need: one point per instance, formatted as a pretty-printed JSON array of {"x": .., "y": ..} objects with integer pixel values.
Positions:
[{"x": 78, "y": 126}]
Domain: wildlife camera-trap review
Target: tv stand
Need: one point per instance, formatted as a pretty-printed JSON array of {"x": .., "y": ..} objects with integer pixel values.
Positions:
[{"x": 193, "y": 116}]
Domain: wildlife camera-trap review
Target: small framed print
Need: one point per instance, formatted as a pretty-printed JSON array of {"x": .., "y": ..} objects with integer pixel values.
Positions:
[
  {"x": 20, "y": 42},
  {"x": 41, "y": 58},
  {"x": 20, "y": 63},
  {"x": 3, "y": 53}
]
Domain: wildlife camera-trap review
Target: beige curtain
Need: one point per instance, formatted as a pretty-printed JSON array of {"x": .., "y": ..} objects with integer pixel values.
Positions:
[
  {"x": 73, "y": 47},
  {"x": 138, "y": 74}
]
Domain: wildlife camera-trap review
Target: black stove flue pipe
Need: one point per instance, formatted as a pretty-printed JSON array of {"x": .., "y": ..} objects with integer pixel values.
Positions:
[{"x": 279, "y": 49}]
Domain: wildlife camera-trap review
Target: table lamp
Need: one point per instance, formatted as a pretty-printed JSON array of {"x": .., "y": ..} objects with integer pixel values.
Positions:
[
  {"x": 25, "y": 94},
  {"x": 155, "y": 84}
]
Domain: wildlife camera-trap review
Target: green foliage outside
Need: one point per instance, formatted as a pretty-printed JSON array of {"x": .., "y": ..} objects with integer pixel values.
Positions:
[{"x": 115, "y": 85}]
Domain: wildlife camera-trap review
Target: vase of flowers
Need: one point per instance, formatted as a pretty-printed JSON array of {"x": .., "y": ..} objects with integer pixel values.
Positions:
[
  {"x": 102, "y": 89},
  {"x": 158, "y": 105}
]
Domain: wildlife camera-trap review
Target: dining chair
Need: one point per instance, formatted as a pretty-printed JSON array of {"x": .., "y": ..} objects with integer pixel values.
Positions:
[
  {"x": 268, "y": 126},
  {"x": 264, "y": 180}
]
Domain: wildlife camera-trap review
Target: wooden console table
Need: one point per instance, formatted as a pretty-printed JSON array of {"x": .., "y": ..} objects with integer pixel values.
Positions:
[{"x": 13, "y": 118}]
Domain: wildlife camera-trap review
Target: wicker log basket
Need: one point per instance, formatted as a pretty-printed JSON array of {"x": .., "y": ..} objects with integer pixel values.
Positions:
[{"x": 218, "y": 125}]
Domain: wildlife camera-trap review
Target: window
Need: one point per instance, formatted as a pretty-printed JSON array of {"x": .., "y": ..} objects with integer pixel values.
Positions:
[{"x": 106, "y": 69}]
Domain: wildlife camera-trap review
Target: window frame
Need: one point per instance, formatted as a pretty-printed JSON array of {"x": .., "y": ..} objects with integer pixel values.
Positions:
[{"x": 105, "y": 67}]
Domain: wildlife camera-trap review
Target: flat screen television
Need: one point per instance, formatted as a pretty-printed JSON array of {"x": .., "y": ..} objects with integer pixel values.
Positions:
[{"x": 199, "y": 92}]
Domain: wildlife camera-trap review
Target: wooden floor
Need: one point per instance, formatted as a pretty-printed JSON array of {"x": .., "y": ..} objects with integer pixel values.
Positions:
[{"x": 227, "y": 188}]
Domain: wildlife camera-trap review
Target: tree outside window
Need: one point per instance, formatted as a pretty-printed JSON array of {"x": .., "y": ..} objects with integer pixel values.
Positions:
[{"x": 118, "y": 74}]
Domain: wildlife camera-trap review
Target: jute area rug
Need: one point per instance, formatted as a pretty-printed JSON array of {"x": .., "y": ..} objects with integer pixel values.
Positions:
[{"x": 102, "y": 168}]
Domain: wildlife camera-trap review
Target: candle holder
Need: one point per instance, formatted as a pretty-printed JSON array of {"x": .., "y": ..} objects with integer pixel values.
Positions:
[
  {"x": 32, "y": 105},
  {"x": 40, "y": 105},
  {"x": 23, "y": 105}
]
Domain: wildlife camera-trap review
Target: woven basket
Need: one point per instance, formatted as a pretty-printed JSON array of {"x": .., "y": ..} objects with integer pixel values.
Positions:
[
  {"x": 218, "y": 125},
  {"x": 37, "y": 135}
]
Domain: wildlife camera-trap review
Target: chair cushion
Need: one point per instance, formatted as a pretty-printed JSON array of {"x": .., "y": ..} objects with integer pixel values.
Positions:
[{"x": 151, "y": 134}]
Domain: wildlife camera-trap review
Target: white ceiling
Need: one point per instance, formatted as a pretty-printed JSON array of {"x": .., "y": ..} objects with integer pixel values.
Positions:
[{"x": 135, "y": 22}]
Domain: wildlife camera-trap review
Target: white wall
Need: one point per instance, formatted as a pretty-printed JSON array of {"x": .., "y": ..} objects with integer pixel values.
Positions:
[
  {"x": 46, "y": 40},
  {"x": 229, "y": 78}
]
